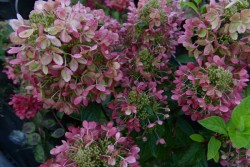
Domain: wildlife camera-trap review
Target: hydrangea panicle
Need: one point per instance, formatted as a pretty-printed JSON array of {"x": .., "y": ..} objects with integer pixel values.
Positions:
[
  {"x": 222, "y": 30},
  {"x": 69, "y": 50},
  {"x": 214, "y": 88},
  {"x": 94, "y": 145}
]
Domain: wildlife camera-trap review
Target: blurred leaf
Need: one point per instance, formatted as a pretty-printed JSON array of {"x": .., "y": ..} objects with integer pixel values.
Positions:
[
  {"x": 193, "y": 155},
  {"x": 184, "y": 59},
  {"x": 33, "y": 139},
  {"x": 217, "y": 157},
  {"x": 28, "y": 127},
  {"x": 38, "y": 118},
  {"x": 197, "y": 138},
  {"x": 215, "y": 124},
  {"x": 115, "y": 15},
  {"x": 39, "y": 154},
  {"x": 60, "y": 114},
  {"x": 148, "y": 148},
  {"x": 93, "y": 112},
  {"x": 213, "y": 148},
  {"x": 247, "y": 90},
  {"x": 104, "y": 103},
  {"x": 58, "y": 133},
  {"x": 190, "y": 4},
  {"x": 197, "y": 2},
  {"x": 49, "y": 123},
  {"x": 184, "y": 126},
  {"x": 238, "y": 138},
  {"x": 202, "y": 33},
  {"x": 241, "y": 110}
]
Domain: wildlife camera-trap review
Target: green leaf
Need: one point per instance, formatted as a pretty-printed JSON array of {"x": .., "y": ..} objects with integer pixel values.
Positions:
[
  {"x": 49, "y": 123},
  {"x": 197, "y": 2},
  {"x": 247, "y": 90},
  {"x": 38, "y": 118},
  {"x": 60, "y": 114},
  {"x": 116, "y": 15},
  {"x": 238, "y": 138},
  {"x": 184, "y": 126},
  {"x": 184, "y": 59},
  {"x": 192, "y": 155},
  {"x": 214, "y": 123},
  {"x": 241, "y": 110},
  {"x": 28, "y": 127},
  {"x": 107, "y": 100},
  {"x": 39, "y": 154},
  {"x": 217, "y": 157},
  {"x": 248, "y": 146},
  {"x": 239, "y": 125},
  {"x": 197, "y": 138},
  {"x": 213, "y": 148},
  {"x": 190, "y": 4},
  {"x": 148, "y": 148},
  {"x": 93, "y": 112},
  {"x": 33, "y": 139},
  {"x": 58, "y": 133}
]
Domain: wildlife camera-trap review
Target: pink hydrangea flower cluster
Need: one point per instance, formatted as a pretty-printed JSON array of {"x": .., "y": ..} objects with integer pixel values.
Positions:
[
  {"x": 231, "y": 156},
  {"x": 154, "y": 25},
  {"x": 68, "y": 51},
  {"x": 214, "y": 88},
  {"x": 222, "y": 30},
  {"x": 148, "y": 39},
  {"x": 25, "y": 106},
  {"x": 9, "y": 71},
  {"x": 117, "y": 4},
  {"x": 94, "y": 145},
  {"x": 140, "y": 108}
]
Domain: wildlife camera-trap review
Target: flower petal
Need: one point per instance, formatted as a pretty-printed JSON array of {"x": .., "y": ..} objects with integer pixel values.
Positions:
[
  {"x": 57, "y": 59},
  {"x": 65, "y": 75}
]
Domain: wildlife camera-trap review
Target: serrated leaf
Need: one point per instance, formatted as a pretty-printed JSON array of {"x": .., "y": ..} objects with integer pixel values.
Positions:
[
  {"x": 28, "y": 127},
  {"x": 33, "y": 139},
  {"x": 213, "y": 147},
  {"x": 39, "y": 154},
  {"x": 215, "y": 124},
  {"x": 58, "y": 133},
  {"x": 197, "y": 138}
]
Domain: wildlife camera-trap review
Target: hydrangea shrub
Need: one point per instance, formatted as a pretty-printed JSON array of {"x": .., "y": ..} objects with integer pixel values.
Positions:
[{"x": 121, "y": 89}]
